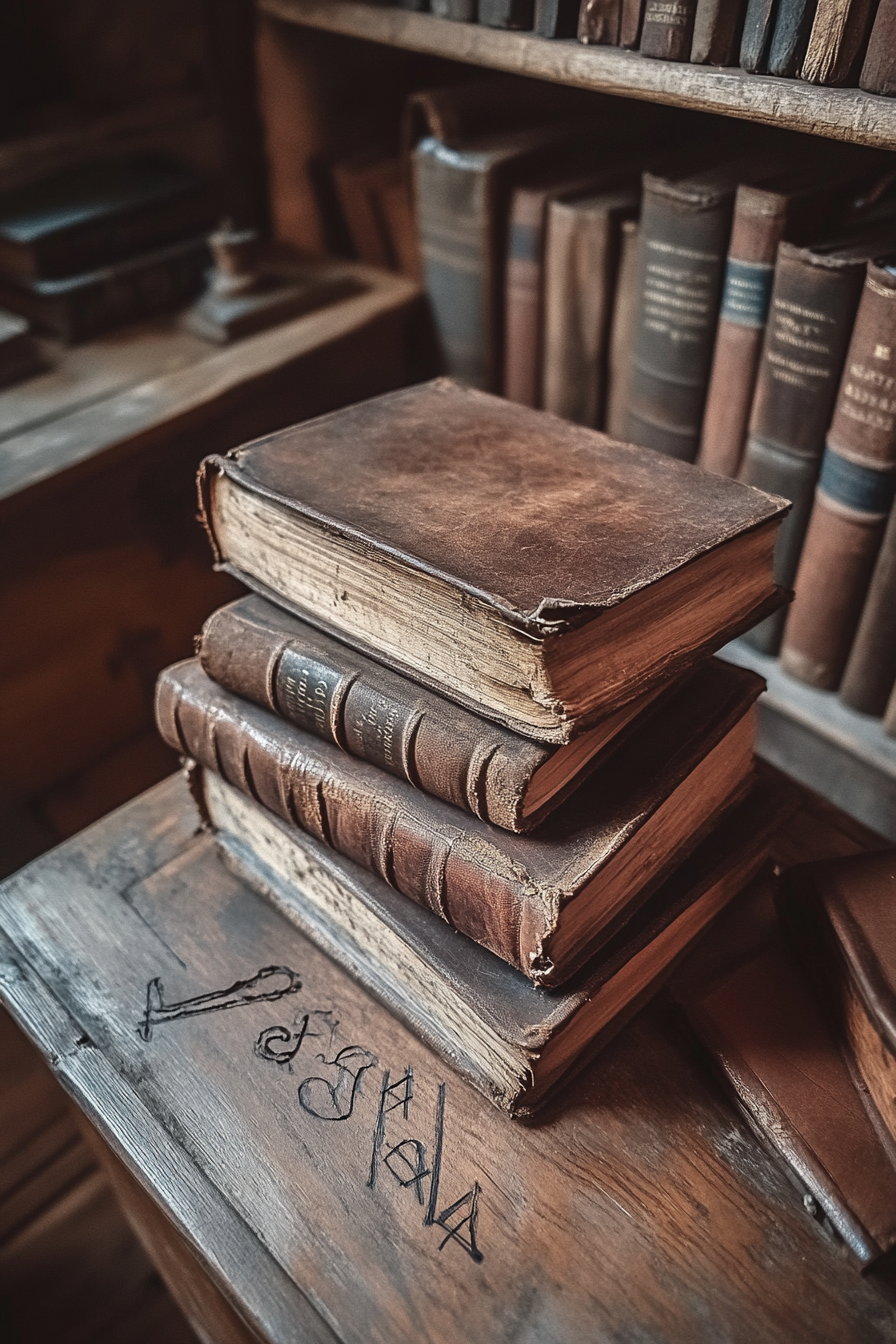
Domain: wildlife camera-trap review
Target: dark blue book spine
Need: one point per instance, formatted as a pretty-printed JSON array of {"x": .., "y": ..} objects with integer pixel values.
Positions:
[
  {"x": 758, "y": 26},
  {"x": 790, "y": 37}
]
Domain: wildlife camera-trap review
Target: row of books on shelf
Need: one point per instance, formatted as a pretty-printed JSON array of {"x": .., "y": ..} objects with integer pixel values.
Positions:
[
  {"x": 733, "y": 304},
  {"x": 839, "y": 42}
]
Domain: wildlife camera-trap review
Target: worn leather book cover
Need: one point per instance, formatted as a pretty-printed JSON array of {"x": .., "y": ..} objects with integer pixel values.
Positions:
[
  {"x": 879, "y": 68},
  {"x": 507, "y": 13},
  {"x": 631, "y": 17},
  {"x": 556, "y": 18},
  {"x": 757, "y": 35},
  {"x": 79, "y": 307},
  {"x": 386, "y": 524},
  {"x": 360, "y": 181},
  {"x": 871, "y": 667},
  {"x": 88, "y": 217},
  {"x": 581, "y": 267},
  {"x": 516, "y": 1042},
  {"x": 544, "y": 903},
  {"x": 667, "y": 29},
  {"x": 837, "y": 41},
  {"x": 814, "y": 299},
  {"x": 261, "y": 653},
  {"x": 462, "y": 199},
  {"x": 599, "y": 22},
  {"x": 790, "y": 37},
  {"x": 842, "y": 920},
  {"x": 622, "y": 330},
  {"x": 751, "y": 1004},
  {"x": 718, "y": 26},
  {"x": 854, "y": 495},
  {"x": 685, "y": 228}
]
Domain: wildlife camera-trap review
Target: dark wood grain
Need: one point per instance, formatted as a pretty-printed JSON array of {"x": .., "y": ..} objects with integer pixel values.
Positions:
[{"x": 640, "y": 1209}]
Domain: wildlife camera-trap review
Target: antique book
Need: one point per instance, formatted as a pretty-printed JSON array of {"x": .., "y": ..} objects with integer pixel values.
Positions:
[
  {"x": 879, "y": 68},
  {"x": 462, "y": 11},
  {"x": 837, "y": 41},
  {"x": 815, "y": 295},
  {"x": 668, "y": 29},
  {"x": 547, "y": 623},
  {"x": 516, "y": 1042},
  {"x": 259, "y": 652},
  {"x": 455, "y": 114},
  {"x": 772, "y": 1046},
  {"x": 360, "y": 181},
  {"x": 556, "y": 18},
  {"x": 790, "y": 37},
  {"x": 685, "y": 227},
  {"x": 622, "y": 330},
  {"x": 759, "y": 22},
  {"x": 631, "y": 17},
  {"x": 81, "y": 306},
  {"x": 871, "y": 667},
  {"x": 88, "y": 217},
  {"x": 463, "y": 198},
  {"x": 581, "y": 266},
  {"x": 544, "y": 903},
  {"x": 507, "y": 13},
  {"x": 718, "y": 26},
  {"x": 842, "y": 920},
  {"x": 524, "y": 299},
  {"x": 599, "y": 22},
  {"x": 853, "y": 498}
]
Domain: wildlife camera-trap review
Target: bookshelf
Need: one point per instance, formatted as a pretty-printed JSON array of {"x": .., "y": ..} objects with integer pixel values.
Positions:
[{"x": 840, "y": 114}]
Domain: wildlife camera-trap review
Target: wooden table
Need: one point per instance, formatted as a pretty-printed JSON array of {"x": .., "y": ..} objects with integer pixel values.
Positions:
[{"x": 358, "y": 1191}]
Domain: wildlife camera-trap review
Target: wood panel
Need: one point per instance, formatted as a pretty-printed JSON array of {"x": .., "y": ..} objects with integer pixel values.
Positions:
[{"x": 841, "y": 114}]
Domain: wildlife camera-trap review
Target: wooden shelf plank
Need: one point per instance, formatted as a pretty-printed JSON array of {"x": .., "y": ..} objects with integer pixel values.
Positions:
[{"x": 839, "y": 114}]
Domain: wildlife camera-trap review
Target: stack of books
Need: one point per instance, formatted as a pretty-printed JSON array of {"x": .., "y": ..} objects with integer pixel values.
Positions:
[
  {"x": 468, "y": 731},
  {"x": 105, "y": 242}
]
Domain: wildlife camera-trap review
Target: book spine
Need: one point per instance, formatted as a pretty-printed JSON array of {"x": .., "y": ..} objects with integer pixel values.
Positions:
[
  {"x": 461, "y": 11},
  {"x": 754, "y": 44},
  {"x": 522, "y": 297},
  {"x": 879, "y": 68},
  {"x": 460, "y": 877},
  {"x": 518, "y": 14},
  {"x": 556, "y": 18},
  {"x": 854, "y": 495},
  {"x": 631, "y": 19},
  {"x": 718, "y": 28},
  {"x": 813, "y": 305},
  {"x": 759, "y": 221},
  {"x": 452, "y": 209},
  {"x": 668, "y": 29},
  {"x": 599, "y": 22},
  {"x": 373, "y": 714},
  {"x": 622, "y": 330},
  {"x": 790, "y": 37},
  {"x": 837, "y": 41},
  {"x": 684, "y": 239},
  {"x": 871, "y": 669}
]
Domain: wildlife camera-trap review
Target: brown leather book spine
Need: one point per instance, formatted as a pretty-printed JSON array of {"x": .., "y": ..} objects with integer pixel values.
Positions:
[
  {"x": 631, "y": 18},
  {"x": 599, "y": 22},
  {"x": 855, "y": 491},
  {"x": 622, "y": 330},
  {"x": 522, "y": 311},
  {"x": 760, "y": 218},
  {"x": 370, "y": 712},
  {"x": 668, "y": 29},
  {"x": 871, "y": 670},
  {"x": 837, "y": 41},
  {"x": 879, "y": 68}
]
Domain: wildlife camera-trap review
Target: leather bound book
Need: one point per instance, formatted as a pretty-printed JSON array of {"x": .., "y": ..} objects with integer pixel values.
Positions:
[
  {"x": 387, "y": 525},
  {"x": 463, "y": 199},
  {"x": 814, "y": 300},
  {"x": 854, "y": 495},
  {"x": 837, "y": 41},
  {"x": 685, "y": 228},
  {"x": 790, "y": 37},
  {"x": 631, "y": 17},
  {"x": 718, "y": 27},
  {"x": 507, "y": 13},
  {"x": 543, "y": 903},
  {"x": 842, "y": 920},
  {"x": 871, "y": 668},
  {"x": 622, "y": 330},
  {"x": 556, "y": 18},
  {"x": 772, "y": 1046},
  {"x": 879, "y": 67},
  {"x": 582, "y": 255},
  {"x": 667, "y": 29},
  {"x": 759, "y": 23},
  {"x": 516, "y": 1042},
  {"x": 461, "y": 11},
  {"x": 361, "y": 181},
  {"x": 95, "y": 214},
  {"x": 259, "y": 652},
  {"x": 599, "y": 22}
]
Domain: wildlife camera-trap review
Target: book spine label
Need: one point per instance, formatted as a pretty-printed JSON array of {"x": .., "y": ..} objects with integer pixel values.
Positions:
[
  {"x": 599, "y": 22},
  {"x": 668, "y": 29},
  {"x": 879, "y": 68},
  {"x": 871, "y": 669},
  {"x": 682, "y": 258},
  {"x": 855, "y": 492}
]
